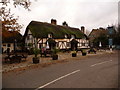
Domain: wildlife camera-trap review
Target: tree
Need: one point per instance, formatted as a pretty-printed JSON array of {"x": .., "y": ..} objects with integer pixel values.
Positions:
[
  {"x": 25, "y": 3},
  {"x": 9, "y": 22},
  {"x": 103, "y": 39}
]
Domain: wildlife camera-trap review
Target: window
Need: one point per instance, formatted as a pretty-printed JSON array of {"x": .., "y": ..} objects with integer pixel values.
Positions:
[
  {"x": 49, "y": 35},
  {"x": 8, "y": 45},
  {"x": 83, "y": 44},
  {"x": 73, "y": 36},
  {"x": 65, "y": 36}
]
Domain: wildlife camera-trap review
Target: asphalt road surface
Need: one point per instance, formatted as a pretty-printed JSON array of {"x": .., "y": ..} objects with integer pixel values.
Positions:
[{"x": 99, "y": 71}]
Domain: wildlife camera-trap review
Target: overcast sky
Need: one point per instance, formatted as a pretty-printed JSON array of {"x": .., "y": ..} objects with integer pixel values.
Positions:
[{"x": 89, "y": 13}]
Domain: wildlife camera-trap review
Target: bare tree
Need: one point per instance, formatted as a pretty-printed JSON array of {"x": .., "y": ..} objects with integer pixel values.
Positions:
[{"x": 23, "y": 3}]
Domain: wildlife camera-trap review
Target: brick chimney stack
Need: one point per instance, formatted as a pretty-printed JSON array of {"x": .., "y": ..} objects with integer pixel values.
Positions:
[
  {"x": 82, "y": 29},
  {"x": 54, "y": 21}
]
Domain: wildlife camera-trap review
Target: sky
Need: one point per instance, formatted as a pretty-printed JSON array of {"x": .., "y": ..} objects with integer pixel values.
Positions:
[{"x": 91, "y": 14}]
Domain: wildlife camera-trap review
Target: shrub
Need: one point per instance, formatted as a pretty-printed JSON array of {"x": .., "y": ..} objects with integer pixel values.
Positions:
[{"x": 36, "y": 51}]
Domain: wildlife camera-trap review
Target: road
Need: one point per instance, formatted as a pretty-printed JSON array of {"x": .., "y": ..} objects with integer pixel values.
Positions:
[{"x": 99, "y": 71}]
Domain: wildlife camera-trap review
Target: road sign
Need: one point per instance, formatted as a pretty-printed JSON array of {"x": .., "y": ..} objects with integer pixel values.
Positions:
[
  {"x": 110, "y": 42},
  {"x": 111, "y": 30}
]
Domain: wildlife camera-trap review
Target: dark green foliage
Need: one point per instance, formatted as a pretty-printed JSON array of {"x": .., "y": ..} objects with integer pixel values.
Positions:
[
  {"x": 103, "y": 39},
  {"x": 84, "y": 53},
  {"x": 30, "y": 51},
  {"x": 30, "y": 44},
  {"x": 55, "y": 51},
  {"x": 36, "y": 52}
]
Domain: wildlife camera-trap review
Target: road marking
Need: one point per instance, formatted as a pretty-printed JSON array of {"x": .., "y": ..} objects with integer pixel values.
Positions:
[
  {"x": 100, "y": 63},
  {"x": 57, "y": 79}
]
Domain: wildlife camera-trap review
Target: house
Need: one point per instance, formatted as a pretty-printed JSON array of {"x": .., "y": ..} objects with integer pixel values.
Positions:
[
  {"x": 49, "y": 35},
  {"x": 95, "y": 33},
  {"x": 107, "y": 33},
  {"x": 10, "y": 41}
]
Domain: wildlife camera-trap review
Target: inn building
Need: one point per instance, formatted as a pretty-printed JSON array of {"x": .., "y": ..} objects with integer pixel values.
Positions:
[{"x": 49, "y": 35}]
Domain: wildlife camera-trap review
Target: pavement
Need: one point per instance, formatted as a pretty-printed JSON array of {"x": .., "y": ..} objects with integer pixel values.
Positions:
[
  {"x": 44, "y": 61},
  {"x": 92, "y": 71}
]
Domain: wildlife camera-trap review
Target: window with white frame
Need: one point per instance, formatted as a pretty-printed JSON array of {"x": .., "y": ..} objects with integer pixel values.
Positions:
[
  {"x": 66, "y": 36},
  {"x": 49, "y": 35},
  {"x": 83, "y": 43}
]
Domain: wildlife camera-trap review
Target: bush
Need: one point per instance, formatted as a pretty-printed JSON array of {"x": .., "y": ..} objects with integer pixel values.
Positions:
[
  {"x": 36, "y": 52},
  {"x": 73, "y": 52},
  {"x": 30, "y": 52},
  {"x": 55, "y": 51}
]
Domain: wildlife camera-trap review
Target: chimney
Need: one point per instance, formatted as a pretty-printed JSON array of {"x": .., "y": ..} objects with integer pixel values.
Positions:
[
  {"x": 53, "y": 21},
  {"x": 64, "y": 23},
  {"x": 82, "y": 29}
]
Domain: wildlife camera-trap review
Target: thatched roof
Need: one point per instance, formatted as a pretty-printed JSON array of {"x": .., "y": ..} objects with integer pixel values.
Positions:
[
  {"x": 41, "y": 30},
  {"x": 10, "y": 36}
]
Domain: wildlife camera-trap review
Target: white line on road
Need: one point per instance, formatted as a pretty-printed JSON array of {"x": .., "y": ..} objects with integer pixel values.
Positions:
[
  {"x": 57, "y": 79},
  {"x": 100, "y": 63}
]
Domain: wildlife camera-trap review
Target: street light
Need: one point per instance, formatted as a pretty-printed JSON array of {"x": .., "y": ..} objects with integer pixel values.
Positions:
[
  {"x": 47, "y": 46},
  {"x": 110, "y": 44},
  {"x": 100, "y": 45}
]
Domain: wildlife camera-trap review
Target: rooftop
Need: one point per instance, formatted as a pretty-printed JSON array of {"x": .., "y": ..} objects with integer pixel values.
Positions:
[{"x": 41, "y": 30}]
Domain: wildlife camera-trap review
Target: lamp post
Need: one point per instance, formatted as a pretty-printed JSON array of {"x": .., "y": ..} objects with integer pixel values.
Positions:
[
  {"x": 100, "y": 45},
  {"x": 110, "y": 44},
  {"x": 111, "y": 33},
  {"x": 47, "y": 46}
]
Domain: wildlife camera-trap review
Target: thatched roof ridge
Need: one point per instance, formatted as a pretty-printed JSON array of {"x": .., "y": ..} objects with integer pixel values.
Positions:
[{"x": 41, "y": 30}]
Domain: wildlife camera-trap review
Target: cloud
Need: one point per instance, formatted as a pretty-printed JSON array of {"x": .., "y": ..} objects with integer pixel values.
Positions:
[{"x": 90, "y": 13}]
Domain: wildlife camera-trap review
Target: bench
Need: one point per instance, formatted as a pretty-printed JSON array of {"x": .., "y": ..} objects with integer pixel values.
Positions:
[{"x": 14, "y": 58}]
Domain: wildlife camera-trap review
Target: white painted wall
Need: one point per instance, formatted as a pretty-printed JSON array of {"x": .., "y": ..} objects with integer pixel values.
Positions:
[
  {"x": 31, "y": 39},
  {"x": 60, "y": 45}
]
